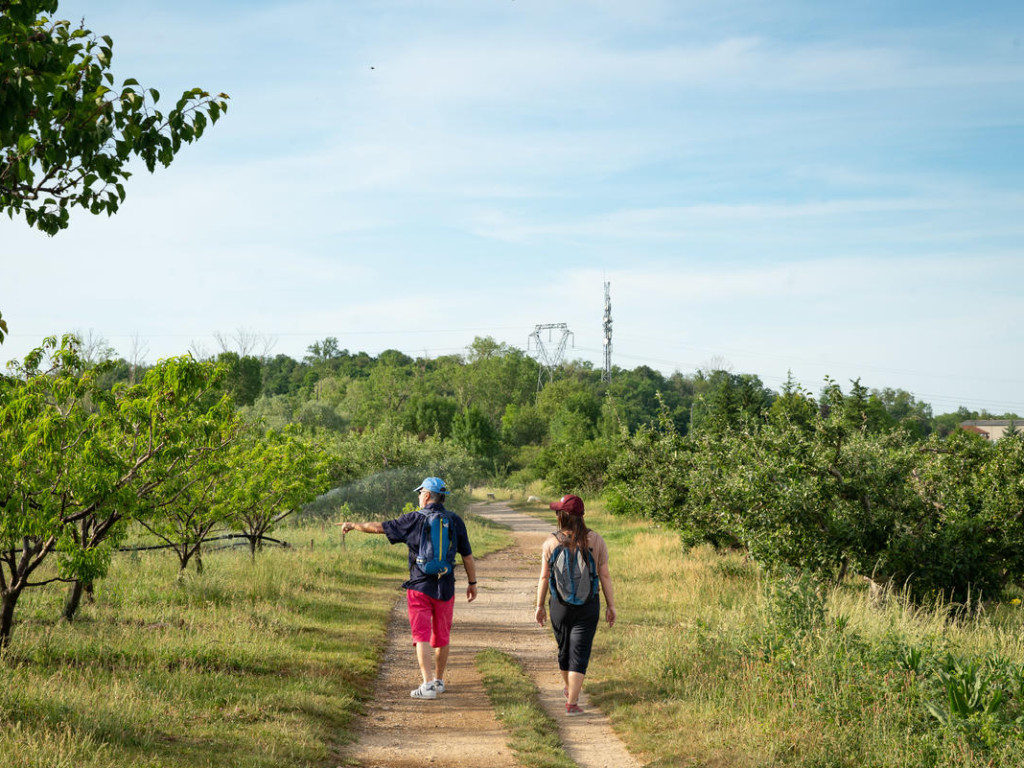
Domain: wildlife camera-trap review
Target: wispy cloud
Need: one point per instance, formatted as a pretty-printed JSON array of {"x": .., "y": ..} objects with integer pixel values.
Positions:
[{"x": 780, "y": 184}]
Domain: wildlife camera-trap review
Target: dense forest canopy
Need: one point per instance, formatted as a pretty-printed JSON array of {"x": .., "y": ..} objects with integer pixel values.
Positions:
[{"x": 336, "y": 390}]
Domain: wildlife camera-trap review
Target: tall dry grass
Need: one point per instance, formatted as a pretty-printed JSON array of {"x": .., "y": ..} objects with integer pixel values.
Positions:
[{"x": 714, "y": 663}]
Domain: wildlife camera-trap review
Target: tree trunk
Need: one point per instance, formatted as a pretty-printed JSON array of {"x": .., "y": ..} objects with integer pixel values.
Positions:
[
  {"x": 10, "y": 599},
  {"x": 73, "y": 599},
  {"x": 842, "y": 570}
]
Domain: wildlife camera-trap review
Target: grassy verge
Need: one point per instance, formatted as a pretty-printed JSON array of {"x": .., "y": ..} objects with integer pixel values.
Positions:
[
  {"x": 711, "y": 663},
  {"x": 533, "y": 734},
  {"x": 254, "y": 663}
]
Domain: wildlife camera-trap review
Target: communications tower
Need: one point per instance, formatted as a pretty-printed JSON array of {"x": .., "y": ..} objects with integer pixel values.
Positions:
[
  {"x": 606, "y": 377},
  {"x": 549, "y": 355}
]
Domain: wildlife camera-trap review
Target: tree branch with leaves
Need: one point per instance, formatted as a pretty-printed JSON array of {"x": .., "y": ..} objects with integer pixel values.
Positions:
[
  {"x": 272, "y": 476},
  {"x": 67, "y": 132}
]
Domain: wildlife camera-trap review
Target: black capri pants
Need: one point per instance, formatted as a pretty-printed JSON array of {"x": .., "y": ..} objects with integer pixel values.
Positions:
[{"x": 574, "y": 626}]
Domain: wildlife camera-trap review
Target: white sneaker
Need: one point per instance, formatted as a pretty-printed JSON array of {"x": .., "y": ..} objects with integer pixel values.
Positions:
[
  {"x": 438, "y": 686},
  {"x": 425, "y": 691}
]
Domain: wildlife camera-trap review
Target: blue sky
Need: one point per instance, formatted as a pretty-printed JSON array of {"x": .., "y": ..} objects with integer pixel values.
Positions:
[{"x": 832, "y": 189}]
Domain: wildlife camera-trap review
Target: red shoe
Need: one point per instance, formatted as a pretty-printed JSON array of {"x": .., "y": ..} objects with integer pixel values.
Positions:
[{"x": 572, "y": 709}]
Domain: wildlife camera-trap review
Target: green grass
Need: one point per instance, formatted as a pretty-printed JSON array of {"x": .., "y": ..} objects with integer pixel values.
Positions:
[
  {"x": 711, "y": 663},
  {"x": 254, "y": 663},
  {"x": 533, "y": 734},
  {"x": 266, "y": 663}
]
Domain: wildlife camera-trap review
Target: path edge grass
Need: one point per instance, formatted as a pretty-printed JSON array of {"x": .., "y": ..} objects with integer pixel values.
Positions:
[{"x": 533, "y": 733}]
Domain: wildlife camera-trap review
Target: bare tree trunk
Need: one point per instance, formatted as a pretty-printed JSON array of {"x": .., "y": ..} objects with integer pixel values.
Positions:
[
  {"x": 843, "y": 568},
  {"x": 7, "y": 604},
  {"x": 74, "y": 596},
  {"x": 73, "y": 599}
]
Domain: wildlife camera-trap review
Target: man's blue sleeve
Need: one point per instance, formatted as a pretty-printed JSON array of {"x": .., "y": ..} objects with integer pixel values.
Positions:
[
  {"x": 462, "y": 545},
  {"x": 399, "y": 529}
]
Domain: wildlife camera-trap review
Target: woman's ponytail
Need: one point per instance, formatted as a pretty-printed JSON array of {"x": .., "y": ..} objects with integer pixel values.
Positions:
[{"x": 576, "y": 529}]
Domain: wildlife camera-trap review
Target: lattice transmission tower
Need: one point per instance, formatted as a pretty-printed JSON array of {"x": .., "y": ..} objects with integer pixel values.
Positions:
[
  {"x": 606, "y": 376},
  {"x": 549, "y": 354}
]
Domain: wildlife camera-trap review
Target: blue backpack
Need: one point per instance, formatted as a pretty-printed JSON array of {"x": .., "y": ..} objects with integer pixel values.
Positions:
[
  {"x": 573, "y": 578},
  {"x": 437, "y": 549}
]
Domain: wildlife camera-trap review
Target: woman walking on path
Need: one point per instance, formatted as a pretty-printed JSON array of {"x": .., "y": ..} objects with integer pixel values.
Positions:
[{"x": 573, "y": 561}]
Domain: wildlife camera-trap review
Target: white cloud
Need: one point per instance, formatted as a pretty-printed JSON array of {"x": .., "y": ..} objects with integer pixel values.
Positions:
[{"x": 827, "y": 201}]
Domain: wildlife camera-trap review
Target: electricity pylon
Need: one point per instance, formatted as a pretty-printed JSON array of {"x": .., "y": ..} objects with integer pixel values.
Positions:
[{"x": 549, "y": 355}]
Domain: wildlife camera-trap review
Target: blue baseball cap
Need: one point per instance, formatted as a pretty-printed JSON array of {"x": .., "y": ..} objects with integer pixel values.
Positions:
[{"x": 434, "y": 485}]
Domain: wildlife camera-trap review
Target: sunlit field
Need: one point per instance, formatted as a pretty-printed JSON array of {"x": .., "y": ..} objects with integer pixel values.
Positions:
[
  {"x": 254, "y": 663},
  {"x": 712, "y": 663}
]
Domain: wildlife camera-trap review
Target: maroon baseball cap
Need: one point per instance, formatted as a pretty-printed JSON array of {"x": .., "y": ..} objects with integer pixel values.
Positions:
[{"x": 569, "y": 503}]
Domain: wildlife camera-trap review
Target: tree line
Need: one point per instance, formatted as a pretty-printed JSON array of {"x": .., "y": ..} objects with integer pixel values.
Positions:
[
  {"x": 94, "y": 448},
  {"x": 489, "y": 401},
  {"x": 865, "y": 481}
]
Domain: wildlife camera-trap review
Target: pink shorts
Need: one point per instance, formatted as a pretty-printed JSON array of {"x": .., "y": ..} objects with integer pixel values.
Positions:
[{"x": 430, "y": 619}]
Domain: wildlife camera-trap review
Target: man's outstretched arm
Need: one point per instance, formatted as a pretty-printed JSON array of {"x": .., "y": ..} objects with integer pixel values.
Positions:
[{"x": 371, "y": 527}]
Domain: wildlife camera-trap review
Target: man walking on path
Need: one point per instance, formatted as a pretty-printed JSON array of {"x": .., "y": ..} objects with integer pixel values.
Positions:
[{"x": 434, "y": 535}]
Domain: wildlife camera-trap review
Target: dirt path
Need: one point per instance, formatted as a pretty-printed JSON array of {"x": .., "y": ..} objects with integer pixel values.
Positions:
[{"x": 459, "y": 728}]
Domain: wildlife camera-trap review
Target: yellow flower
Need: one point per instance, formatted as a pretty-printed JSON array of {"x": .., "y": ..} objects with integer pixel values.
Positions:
[{"x": 1015, "y": 601}]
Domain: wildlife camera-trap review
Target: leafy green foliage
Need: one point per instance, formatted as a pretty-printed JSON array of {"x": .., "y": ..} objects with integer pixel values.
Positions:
[
  {"x": 971, "y": 689},
  {"x": 841, "y": 484},
  {"x": 243, "y": 377},
  {"x": 78, "y": 460},
  {"x": 271, "y": 476},
  {"x": 578, "y": 468},
  {"x": 970, "y": 534},
  {"x": 382, "y": 466},
  {"x": 832, "y": 488},
  {"x": 190, "y": 506},
  {"x": 649, "y": 478},
  {"x": 639, "y": 395},
  {"x": 729, "y": 399},
  {"x": 793, "y": 612},
  {"x": 319, "y": 416},
  {"x": 476, "y": 433},
  {"x": 429, "y": 415},
  {"x": 495, "y": 376},
  {"x": 67, "y": 132}
]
